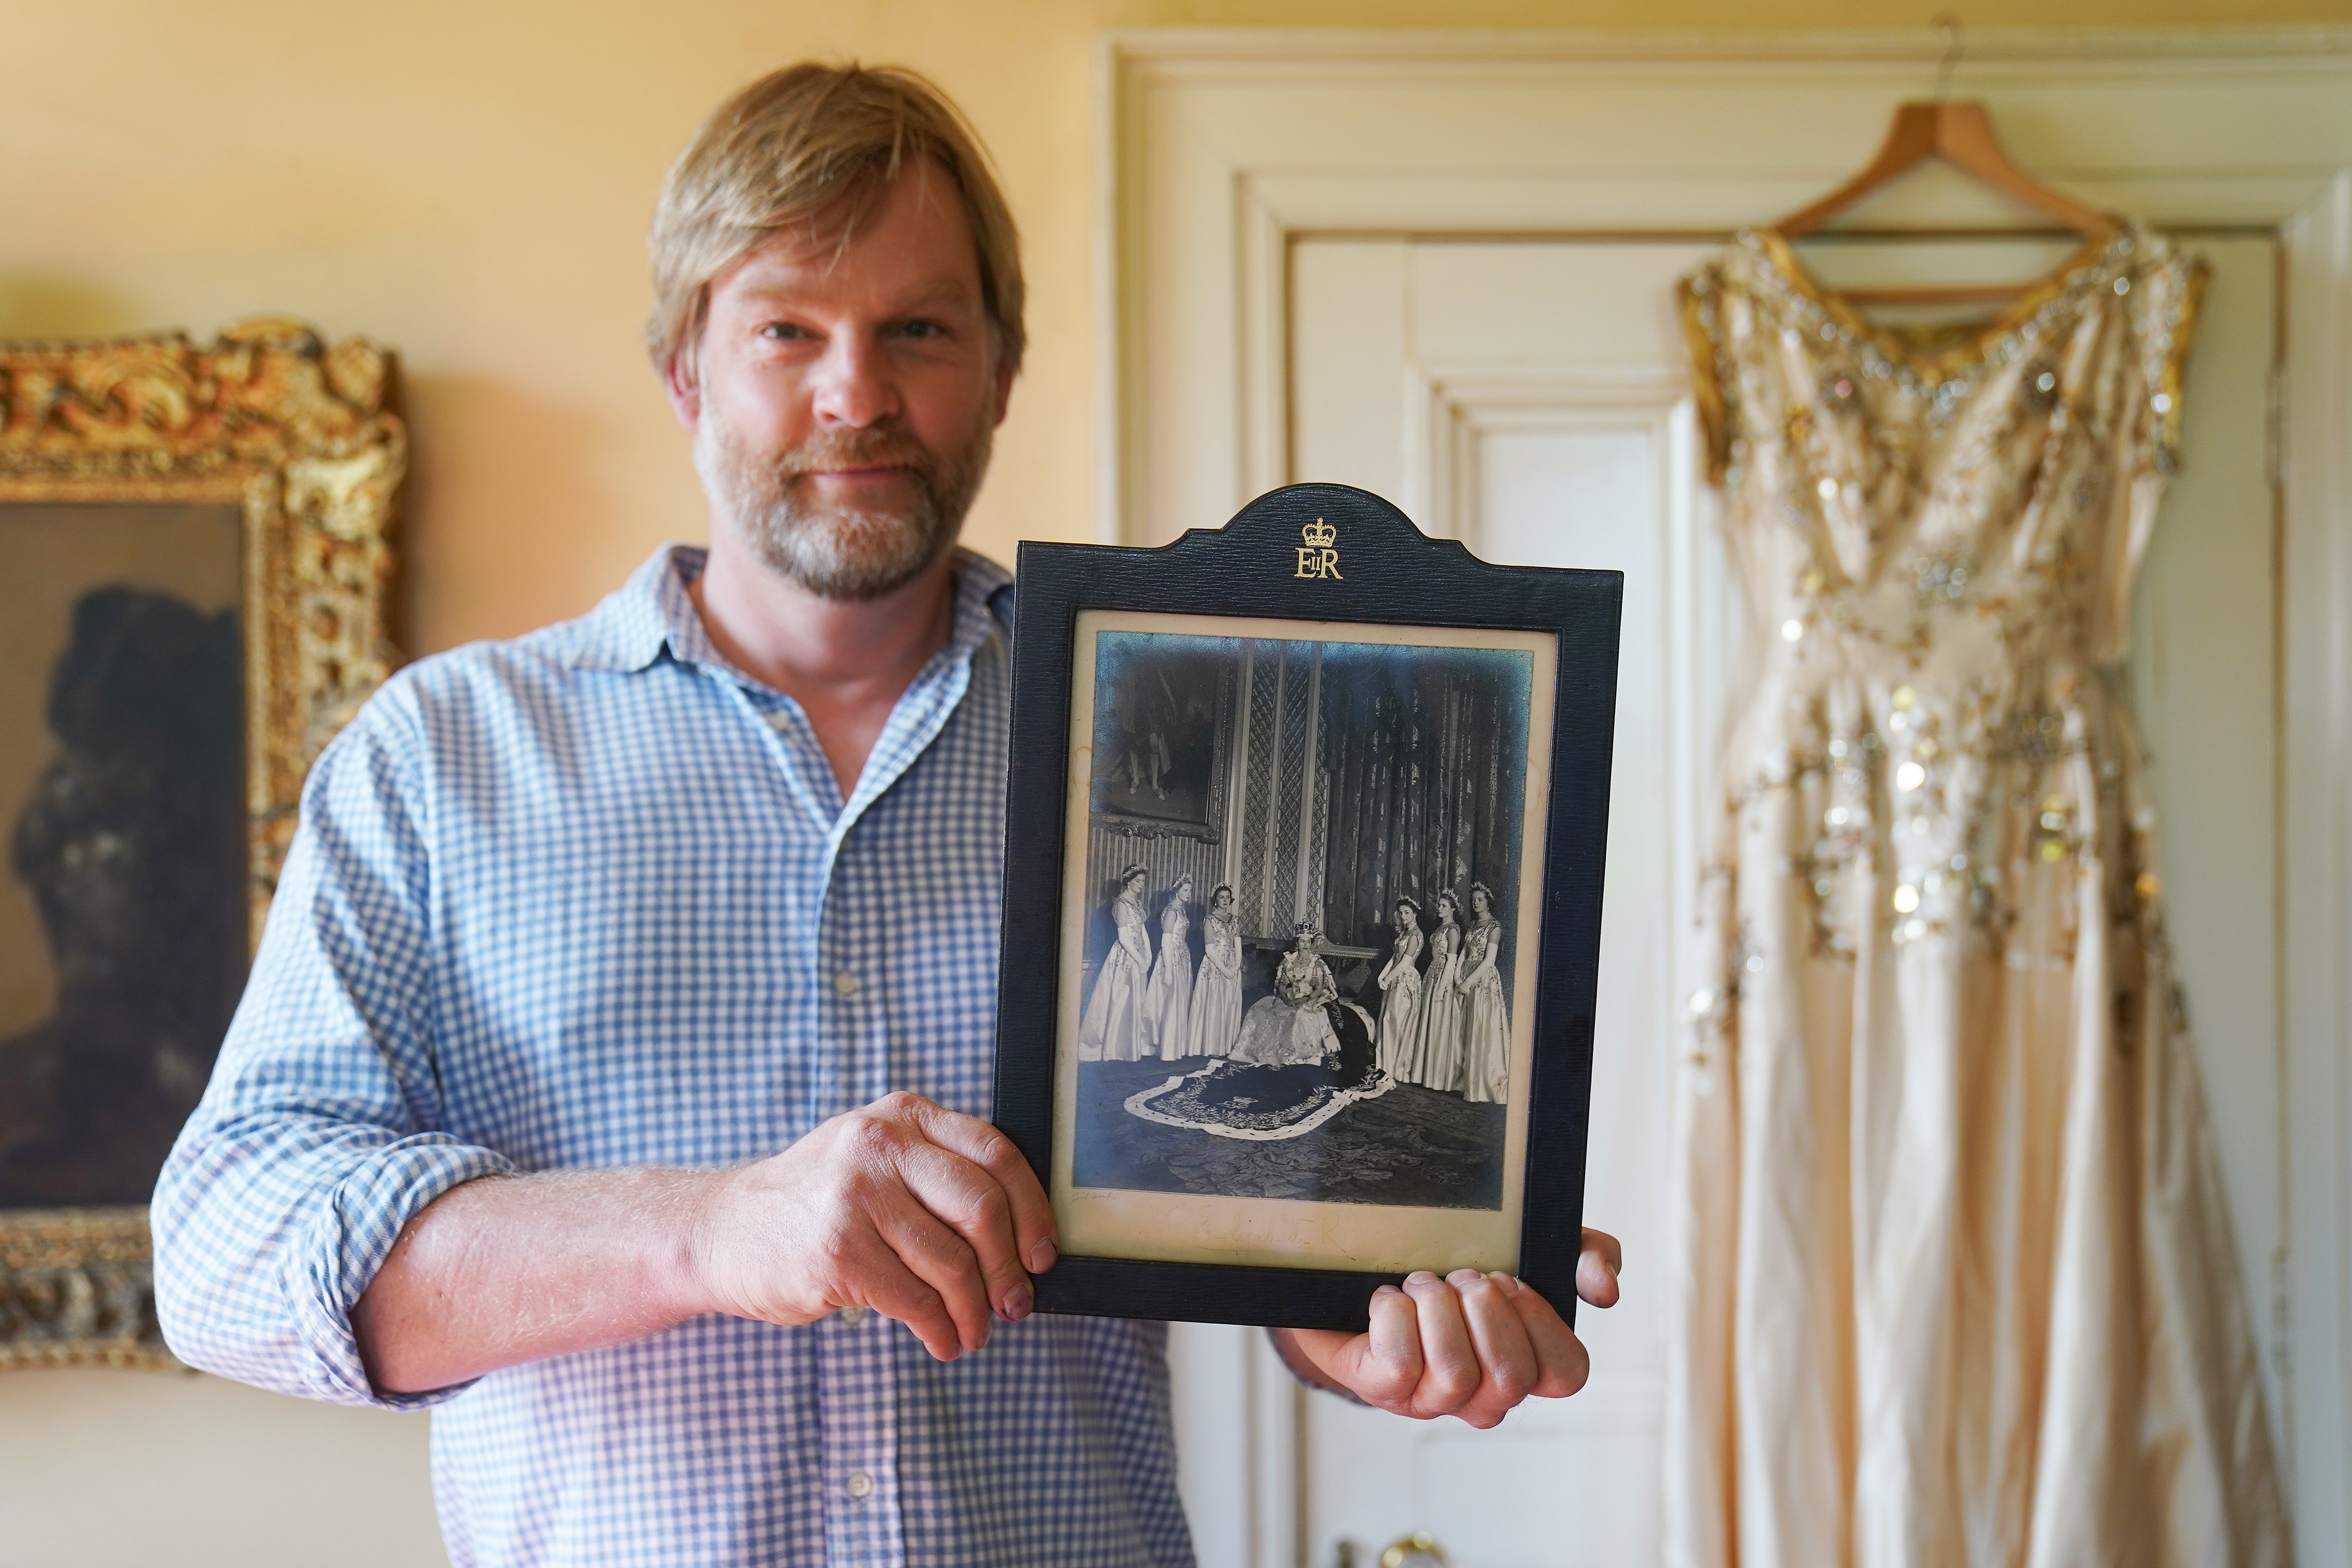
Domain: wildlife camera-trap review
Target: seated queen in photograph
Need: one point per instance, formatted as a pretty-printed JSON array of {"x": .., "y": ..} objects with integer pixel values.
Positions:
[
  {"x": 1112, "y": 1027},
  {"x": 1291, "y": 1028},
  {"x": 1303, "y": 1054}
]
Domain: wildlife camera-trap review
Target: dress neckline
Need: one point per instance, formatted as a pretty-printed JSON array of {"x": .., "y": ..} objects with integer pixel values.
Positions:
[{"x": 1972, "y": 343}]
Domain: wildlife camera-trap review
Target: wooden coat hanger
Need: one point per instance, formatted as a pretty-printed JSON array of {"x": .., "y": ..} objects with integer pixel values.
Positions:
[{"x": 1962, "y": 134}]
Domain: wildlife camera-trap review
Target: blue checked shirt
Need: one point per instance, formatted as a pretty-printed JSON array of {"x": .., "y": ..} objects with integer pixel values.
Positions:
[{"x": 591, "y": 897}]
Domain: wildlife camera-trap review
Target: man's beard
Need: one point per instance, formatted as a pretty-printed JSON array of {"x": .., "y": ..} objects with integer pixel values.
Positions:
[{"x": 839, "y": 552}]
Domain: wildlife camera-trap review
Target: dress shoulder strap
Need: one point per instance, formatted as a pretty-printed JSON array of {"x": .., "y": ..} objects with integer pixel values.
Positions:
[{"x": 1695, "y": 294}]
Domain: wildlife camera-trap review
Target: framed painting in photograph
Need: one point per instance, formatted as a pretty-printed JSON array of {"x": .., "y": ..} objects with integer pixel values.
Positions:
[
  {"x": 194, "y": 575},
  {"x": 1163, "y": 725},
  {"x": 1337, "y": 1025}
]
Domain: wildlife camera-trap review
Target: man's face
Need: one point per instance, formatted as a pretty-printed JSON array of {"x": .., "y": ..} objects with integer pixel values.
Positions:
[{"x": 847, "y": 393}]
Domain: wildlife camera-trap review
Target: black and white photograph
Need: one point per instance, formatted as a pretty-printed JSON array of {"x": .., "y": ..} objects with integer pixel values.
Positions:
[
  {"x": 1311, "y": 1000},
  {"x": 122, "y": 915}
]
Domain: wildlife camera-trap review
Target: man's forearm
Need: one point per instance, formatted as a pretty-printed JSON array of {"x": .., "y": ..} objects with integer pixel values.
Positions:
[{"x": 508, "y": 1270}]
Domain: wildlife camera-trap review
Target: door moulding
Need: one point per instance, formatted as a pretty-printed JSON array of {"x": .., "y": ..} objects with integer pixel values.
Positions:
[
  {"x": 1220, "y": 150},
  {"x": 1446, "y": 414}
]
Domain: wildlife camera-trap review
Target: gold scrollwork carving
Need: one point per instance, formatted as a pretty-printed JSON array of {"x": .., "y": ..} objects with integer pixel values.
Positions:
[
  {"x": 295, "y": 432},
  {"x": 78, "y": 1289}
]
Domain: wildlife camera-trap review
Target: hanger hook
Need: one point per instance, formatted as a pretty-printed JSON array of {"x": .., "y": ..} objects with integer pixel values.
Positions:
[{"x": 1955, "y": 46}]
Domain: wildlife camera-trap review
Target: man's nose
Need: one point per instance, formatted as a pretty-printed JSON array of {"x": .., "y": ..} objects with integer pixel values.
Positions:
[{"x": 854, "y": 383}]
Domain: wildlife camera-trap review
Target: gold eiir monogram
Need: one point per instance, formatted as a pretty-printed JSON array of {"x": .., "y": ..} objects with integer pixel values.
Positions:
[{"x": 1316, "y": 557}]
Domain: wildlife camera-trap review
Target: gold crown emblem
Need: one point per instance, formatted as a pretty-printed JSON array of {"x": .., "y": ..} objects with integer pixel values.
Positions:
[{"x": 1319, "y": 533}]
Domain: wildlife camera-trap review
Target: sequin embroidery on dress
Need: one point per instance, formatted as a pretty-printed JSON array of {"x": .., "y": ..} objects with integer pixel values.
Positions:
[{"x": 1951, "y": 1217}]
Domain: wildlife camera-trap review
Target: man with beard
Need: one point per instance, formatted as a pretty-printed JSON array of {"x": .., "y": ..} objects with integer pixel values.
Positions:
[{"x": 611, "y": 1072}]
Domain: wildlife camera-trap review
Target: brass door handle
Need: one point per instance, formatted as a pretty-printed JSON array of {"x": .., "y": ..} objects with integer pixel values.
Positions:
[{"x": 1415, "y": 1550}]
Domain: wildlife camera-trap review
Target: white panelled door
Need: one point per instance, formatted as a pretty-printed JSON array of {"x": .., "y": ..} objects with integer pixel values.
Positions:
[{"x": 1529, "y": 398}]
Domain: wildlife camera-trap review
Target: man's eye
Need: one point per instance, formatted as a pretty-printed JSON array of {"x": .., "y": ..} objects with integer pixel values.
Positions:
[
  {"x": 920, "y": 330},
  {"x": 783, "y": 330}
]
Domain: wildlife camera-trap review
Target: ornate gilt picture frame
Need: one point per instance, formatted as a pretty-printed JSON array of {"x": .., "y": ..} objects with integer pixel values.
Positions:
[{"x": 200, "y": 535}]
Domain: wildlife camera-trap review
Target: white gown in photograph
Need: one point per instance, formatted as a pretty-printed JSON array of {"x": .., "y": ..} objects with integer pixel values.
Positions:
[
  {"x": 1486, "y": 1022},
  {"x": 1112, "y": 1027},
  {"x": 1435, "y": 1061},
  {"x": 1216, "y": 1019},
  {"x": 1400, "y": 1002},
  {"x": 1168, "y": 995}
]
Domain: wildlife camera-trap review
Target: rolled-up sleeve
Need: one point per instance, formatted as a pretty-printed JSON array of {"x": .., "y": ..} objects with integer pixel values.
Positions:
[{"x": 317, "y": 1139}]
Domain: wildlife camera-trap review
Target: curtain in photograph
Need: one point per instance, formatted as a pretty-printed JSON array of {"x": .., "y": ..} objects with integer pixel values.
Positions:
[{"x": 1423, "y": 766}]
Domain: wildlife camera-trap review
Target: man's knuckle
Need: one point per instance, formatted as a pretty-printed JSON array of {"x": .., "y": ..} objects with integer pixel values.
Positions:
[
  {"x": 865, "y": 1136},
  {"x": 1452, "y": 1385}
]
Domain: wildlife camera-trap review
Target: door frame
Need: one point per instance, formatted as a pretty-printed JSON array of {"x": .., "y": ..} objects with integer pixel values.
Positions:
[{"x": 1220, "y": 150}]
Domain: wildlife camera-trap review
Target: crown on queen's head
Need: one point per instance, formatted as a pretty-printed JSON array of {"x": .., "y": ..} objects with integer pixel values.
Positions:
[{"x": 1319, "y": 533}]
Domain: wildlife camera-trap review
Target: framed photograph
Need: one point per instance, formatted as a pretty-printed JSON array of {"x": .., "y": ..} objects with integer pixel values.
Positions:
[
  {"x": 194, "y": 579},
  {"x": 1303, "y": 842}
]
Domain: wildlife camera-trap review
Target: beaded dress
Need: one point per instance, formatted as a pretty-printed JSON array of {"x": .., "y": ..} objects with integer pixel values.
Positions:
[{"x": 1955, "y": 1283}]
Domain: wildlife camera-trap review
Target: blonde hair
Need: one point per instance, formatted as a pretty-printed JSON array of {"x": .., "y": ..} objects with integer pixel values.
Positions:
[{"x": 813, "y": 142}]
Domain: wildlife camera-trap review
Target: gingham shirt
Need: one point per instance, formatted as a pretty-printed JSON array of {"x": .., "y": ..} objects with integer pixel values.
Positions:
[{"x": 591, "y": 897}]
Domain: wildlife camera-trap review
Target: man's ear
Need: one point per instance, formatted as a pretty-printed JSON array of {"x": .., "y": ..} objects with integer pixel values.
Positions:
[
  {"x": 685, "y": 392},
  {"x": 1005, "y": 372}
]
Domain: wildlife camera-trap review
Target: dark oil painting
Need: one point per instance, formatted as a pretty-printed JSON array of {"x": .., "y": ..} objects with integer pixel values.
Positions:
[
  {"x": 122, "y": 917},
  {"x": 1159, "y": 720}
]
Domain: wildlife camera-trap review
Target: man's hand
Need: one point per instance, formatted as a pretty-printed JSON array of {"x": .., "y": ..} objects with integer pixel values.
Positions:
[
  {"x": 917, "y": 1212},
  {"x": 923, "y": 1215},
  {"x": 1469, "y": 1344}
]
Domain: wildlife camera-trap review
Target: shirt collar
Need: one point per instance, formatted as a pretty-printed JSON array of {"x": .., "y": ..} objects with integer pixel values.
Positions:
[{"x": 652, "y": 613}]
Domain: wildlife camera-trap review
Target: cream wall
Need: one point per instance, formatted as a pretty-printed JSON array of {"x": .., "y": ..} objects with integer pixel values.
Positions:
[
  {"x": 470, "y": 183},
  {"x": 469, "y": 180}
]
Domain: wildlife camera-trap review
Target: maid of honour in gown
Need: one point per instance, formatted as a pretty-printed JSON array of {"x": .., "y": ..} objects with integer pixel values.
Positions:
[
  {"x": 1400, "y": 991},
  {"x": 1486, "y": 1021},
  {"x": 1954, "y": 1278},
  {"x": 1433, "y": 1057},
  {"x": 1111, "y": 1028},
  {"x": 1168, "y": 995},
  {"x": 1216, "y": 1021}
]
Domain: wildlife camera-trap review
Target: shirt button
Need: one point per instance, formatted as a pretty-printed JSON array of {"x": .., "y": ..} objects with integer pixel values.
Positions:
[
  {"x": 852, "y": 1315},
  {"x": 860, "y": 1484},
  {"x": 845, "y": 983}
]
